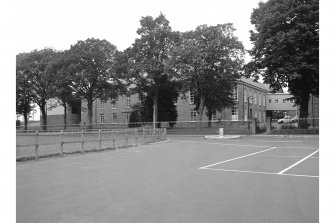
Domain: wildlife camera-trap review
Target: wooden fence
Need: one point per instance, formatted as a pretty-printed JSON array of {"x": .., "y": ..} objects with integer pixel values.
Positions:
[{"x": 44, "y": 144}]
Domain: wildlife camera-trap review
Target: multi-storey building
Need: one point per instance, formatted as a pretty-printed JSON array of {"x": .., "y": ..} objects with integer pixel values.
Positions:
[{"x": 253, "y": 100}]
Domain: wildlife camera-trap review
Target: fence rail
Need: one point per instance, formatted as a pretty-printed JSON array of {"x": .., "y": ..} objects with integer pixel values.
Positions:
[{"x": 32, "y": 145}]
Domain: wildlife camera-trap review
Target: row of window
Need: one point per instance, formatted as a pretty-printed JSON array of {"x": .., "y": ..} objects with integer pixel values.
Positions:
[
  {"x": 279, "y": 100},
  {"x": 260, "y": 115},
  {"x": 253, "y": 97},
  {"x": 114, "y": 118},
  {"x": 102, "y": 104}
]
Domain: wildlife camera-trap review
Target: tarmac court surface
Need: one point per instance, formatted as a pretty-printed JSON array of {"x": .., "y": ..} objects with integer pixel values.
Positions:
[{"x": 189, "y": 179}]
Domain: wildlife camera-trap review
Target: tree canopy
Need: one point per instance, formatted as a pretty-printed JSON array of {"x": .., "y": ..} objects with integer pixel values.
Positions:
[
  {"x": 286, "y": 47},
  {"x": 208, "y": 61},
  {"x": 147, "y": 57},
  {"x": 90, "y": 66}
]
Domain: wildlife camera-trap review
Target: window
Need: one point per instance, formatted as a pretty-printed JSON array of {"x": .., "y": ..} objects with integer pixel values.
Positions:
[
  {"x": 127, "y": 102},
  {"x": 193, "y": 116},
  {"x": 284, "y": 101},
  {"x": 255, "y": 98},
  {"x": 114, "y": 104},
  {"x": 102, "y": 118},
  {"x": 264, "y": 116},
  {"x": 263, "y": 100},
  {"x": 191, "y": 94},
  {"x": 245, "y": 96},
  {"x": 102, "y": 105},
  {"x": 234, "y": 114},
  {"x": 259, "y": 99},
  {"x": 250, "y": 98},
  {"x": 256, "y": 114},
  {"x": 291, "y": 101},
  {"x": 235, "y": 95},
  {"x": 269, "y": 100},
  {"x": 114, "y": 120},
  {"x": 276, "y": 100},
  {"x": 245, "y": 114},
  {"x": 127, "y": 117}
]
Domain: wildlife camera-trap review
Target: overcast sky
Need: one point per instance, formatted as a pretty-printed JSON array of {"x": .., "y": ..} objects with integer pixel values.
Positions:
[{"x": 59, "y": 24}]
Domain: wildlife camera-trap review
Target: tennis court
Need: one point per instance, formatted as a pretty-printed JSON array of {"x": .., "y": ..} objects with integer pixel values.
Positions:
[{"x": 189, "y": 179}]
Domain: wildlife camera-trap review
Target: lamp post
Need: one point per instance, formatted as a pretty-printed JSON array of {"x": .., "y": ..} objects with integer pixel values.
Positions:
[{"x": 248, "y": 100}]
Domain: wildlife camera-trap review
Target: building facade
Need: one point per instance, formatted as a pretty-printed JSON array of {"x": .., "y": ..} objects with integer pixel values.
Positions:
[{"x": 279, "y": 105}]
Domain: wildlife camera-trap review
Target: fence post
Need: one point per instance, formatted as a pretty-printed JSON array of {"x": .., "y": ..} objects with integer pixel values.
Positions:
[
  {"x": 268, "y": 125},
  {"x": 126, "y": 139},
  {"x": 82, "y": 141},
  {"x": 136, "y": 136},
  {"x": 144, "y": 136},
  {"x": 113, "y": 138},
  {"x": 99, "y": 139},
  {"x": 61, "y": 143},
  {"x": 36, "y": 145}
]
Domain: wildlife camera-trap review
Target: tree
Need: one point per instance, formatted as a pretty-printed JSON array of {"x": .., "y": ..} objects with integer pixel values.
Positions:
[
  {"x": 167, "y": 111},
  {"x": 62, "y": 82},
  {"x": 24, "y": 94},
  {"x": 90, "y": 66},
  {"x": 209, "y": 60},
  {"x": 34, "y": 65},
  {"x": 148, "y": 55},
  {"x": 286, "y": 47}
]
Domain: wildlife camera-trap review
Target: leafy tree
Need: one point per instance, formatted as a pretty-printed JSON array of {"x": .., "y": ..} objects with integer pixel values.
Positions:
[
  {"x": 24, "y": 96},
  {"x": 209, "y": 61},
  {"x": 286, "y": 47},
  {"x": 34, "y": 65},
  {"x": 89, "y": 65},
  {"x": 62, "y": 82},
  {"x": 167, "y": 112},
  {"x": 146, "y": 59}
]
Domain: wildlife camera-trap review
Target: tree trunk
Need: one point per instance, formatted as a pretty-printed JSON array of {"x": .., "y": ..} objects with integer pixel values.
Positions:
[
  {"x": 65, "y": 115},
  {"x": 210, "y": 118},
  {"x": 201, "y": 110},
  {"x": 155, "y": 108},
  {"x": 303, "y": 110},
  {"x": 89, "y": 113},
  {"x": 25, "y": 117},
  {"x": 44, "y": 116}
]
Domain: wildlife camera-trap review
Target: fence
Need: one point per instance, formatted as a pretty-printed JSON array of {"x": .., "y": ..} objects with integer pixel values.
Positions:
[{"x": 32, "y": 145}]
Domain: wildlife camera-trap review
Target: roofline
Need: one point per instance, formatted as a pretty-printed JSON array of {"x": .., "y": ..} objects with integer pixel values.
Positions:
[{"x": 248, "y": 84}]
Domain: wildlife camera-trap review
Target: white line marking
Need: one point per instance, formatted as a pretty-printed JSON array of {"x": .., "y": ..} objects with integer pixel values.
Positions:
[
  {"x": 292, "y": 147},
  {"x": 266, "y": 173},
  {"x": 251, "y": 154},
  {"x": 217, "y": 143},
  {"x": 276, "y": 141},
  {"x": 312, "y": 157},
  {"x": 283, "y": 171}
]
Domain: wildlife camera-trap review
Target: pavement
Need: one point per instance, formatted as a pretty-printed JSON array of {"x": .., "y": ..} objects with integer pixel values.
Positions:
[{"x": 189, "y": 179}]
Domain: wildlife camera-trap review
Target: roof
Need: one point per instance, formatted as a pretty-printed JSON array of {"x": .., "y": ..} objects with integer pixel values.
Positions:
[{"x": 257, "y": 84}]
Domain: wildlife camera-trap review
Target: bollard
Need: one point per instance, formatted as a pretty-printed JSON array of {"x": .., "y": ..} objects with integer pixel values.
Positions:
[
  {"x": 61, "y": 143},
  {"x": 221, "y": 131},
  {"x": 164, "y": 134},
  {"x": 36, "y": 145}
]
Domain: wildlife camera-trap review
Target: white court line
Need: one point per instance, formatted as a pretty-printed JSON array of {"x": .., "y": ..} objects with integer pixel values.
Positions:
[
  {"x": 312, "y": 157},
  {"x": 283, "y": 171},
  {"x": 266, "y": 173},
  {"x": 251, "y": 154},
  {"x": 275, "y": 141},
  {"x": 292, "y": 147},
  {"x": 217, "y": 143}
]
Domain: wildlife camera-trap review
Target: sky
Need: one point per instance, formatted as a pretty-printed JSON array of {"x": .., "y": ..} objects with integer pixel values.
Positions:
[{"x": 60, "y": 24}]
